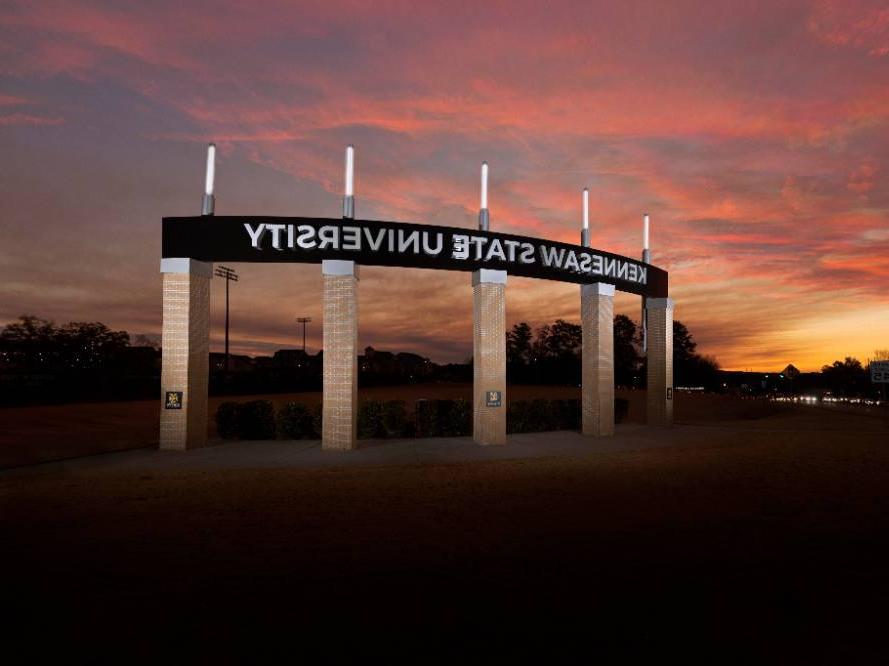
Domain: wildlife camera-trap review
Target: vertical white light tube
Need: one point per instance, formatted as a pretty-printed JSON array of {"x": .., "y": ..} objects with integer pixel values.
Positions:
[
  {"x": 645, "y": 232},
  {"x": 208, "y": 205},
  {"x": 484, "y": 199},
  {"x": 211, "y": 169},
  {"x": 586, "y": 208},
  {"x": 350, "y": 170}
]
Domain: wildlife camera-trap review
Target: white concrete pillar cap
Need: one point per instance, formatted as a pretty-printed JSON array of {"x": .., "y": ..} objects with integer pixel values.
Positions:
[
  {"x": 338, "y": 267},
  {"x": 485, "y": 275},
  {"x": 598, "y": 289},
  {"x": 659, "y": 303},
  {"x": 186, "y": 265}
]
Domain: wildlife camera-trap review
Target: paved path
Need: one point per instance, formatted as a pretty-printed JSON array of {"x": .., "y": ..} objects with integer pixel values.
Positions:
[{"x": 309, "y": 455}]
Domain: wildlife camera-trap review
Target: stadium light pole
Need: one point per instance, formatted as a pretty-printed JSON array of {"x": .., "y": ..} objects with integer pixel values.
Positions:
[
  {"x": 304, "y": 321},
  {"x": 229, "y": 275}
]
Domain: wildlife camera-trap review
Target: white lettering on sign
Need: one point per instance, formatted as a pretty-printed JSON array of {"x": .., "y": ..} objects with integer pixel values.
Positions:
[
  {"x": 255, "y": 234},
  {"x": 464, "y": 247}
]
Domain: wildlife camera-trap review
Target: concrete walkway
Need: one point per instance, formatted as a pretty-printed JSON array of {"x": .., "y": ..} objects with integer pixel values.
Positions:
[{"x": 308, "y": 454}]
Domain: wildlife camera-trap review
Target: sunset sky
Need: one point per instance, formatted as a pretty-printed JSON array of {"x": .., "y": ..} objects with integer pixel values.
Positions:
[{"x": 755, "y": 134}]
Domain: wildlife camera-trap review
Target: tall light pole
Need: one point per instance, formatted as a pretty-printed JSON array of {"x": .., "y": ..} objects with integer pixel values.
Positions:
[
  {"x": 229, "y": 275},
  {"x": 304, "y": 321}
]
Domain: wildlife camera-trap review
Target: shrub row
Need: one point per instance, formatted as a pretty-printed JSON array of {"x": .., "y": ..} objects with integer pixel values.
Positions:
[
  {"x": 443, "y": 418},
  {"x": 390, "y": 419},
  {"x": 382, "y": 420},
  {"x": 544, "y": 415}
]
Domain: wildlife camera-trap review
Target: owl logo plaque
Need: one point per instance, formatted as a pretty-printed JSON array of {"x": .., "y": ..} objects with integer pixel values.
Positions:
[{"x": 173, "y": 400}]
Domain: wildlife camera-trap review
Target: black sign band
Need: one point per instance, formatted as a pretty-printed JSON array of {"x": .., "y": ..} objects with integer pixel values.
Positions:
[{"x": 374, "y": 243}]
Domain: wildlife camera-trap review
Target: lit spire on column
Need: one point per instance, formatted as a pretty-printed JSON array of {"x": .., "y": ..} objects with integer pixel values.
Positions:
[
  {"x": 209, "y": 203},
  {"x": 349, "y": 198}
]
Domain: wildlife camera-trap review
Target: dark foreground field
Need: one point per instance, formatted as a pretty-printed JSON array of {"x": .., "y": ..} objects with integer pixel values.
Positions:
[{"x": 767, "y": 544}]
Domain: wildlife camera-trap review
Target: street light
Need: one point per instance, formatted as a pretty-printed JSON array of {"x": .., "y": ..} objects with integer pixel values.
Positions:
[
  {"x": 229, "y": 275},
  {"x": 304, "y": 321}
]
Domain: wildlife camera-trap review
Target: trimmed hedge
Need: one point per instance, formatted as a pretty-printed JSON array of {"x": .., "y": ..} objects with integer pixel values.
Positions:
[
  {"x": 544, "y": 415},
  {"x": 298, "y": 421},
  {"x": 390, "y": 419},
  {"x": 443, "y": 418},
  {"x": 227, "y": 420},
  {"x": 383, "y": 420},
  {"x": 246, "y": 420}
]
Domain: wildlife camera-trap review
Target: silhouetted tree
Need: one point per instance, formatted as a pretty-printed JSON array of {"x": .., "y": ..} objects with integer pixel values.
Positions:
[
  {"x": 29, "y": 343},
  {"x": 80, "y": 360},
  {"x": 846, "y": 377},
  {"x": 684, "y": 345},
  {"x": 90, "y": 345},
  {"x": 689, "y": 367},
  {"x": 626, "y": 351},
  {"x": 518, "y": 344},
  {"x": 560, "y": 340}
]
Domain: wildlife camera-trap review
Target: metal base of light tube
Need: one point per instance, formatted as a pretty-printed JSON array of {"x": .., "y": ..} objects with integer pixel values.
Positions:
[
  {"x": 208, "y": 205},
  {"x": 484, "y": 219},
  {"x": 349, "y": 207},
  {"x": 585, "y": 237}
]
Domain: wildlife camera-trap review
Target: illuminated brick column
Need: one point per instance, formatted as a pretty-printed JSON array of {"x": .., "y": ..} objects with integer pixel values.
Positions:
[
  {"x": 185, "y": 363},
  {"x": 340, "y": 405},
  {"x": 660, "y": 361},
  {"x": 489, "y": 355},
  {"x": 597, "y": 320}
]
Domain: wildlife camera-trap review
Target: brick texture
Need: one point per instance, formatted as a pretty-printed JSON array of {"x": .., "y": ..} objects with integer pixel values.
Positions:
[
  {"x": 489, "y": 361},
  {"x": 597, "y": 396},
  {"x": 660, "y": 362},
  {"x": 340, "y": 362},
  {"x": 186, "y": 359}
]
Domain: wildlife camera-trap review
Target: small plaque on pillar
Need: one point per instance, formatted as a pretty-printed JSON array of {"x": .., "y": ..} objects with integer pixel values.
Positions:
[
  {"x": 173, "y": 400},
  {"x": 493, "y": 398}
]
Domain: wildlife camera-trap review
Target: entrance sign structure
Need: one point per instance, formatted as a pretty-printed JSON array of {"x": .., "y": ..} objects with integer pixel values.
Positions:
[{"x": 340, "y": 245}]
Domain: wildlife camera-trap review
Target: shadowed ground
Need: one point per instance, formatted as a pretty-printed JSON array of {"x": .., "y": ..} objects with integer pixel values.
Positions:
[{"x": 744, "y": 542}]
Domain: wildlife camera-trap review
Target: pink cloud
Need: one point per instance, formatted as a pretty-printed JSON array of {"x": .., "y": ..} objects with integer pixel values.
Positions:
[{"x": 26, "y": 119}]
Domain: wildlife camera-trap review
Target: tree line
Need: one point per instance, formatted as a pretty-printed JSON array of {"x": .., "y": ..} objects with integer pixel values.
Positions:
[
  {"x": 552, "y": 355},
  {"x": 41, "y": 362}
]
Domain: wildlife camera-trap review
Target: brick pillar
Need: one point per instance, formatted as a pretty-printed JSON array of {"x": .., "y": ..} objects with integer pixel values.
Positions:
[
  {"x": 340, "y": 406},
  {"x": 597, "y": 320},
  {"x": 489, "y": 356},
  {"x": 185, "y": 362},
  {"x": 660, "y": 361}
]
